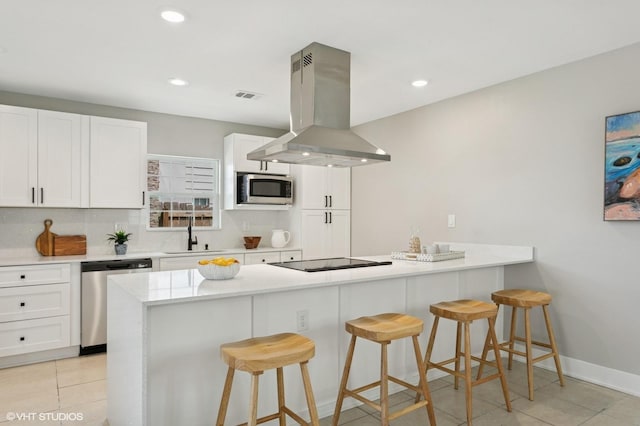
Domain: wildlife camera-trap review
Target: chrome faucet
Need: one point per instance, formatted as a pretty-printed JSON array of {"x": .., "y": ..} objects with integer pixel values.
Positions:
[{"x": 190, "y": 241}]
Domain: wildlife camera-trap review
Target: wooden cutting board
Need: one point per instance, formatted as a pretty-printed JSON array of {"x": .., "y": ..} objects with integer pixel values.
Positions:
[
  {"x": 44, "y": 242},
  {"x": 65, "y": 245}
]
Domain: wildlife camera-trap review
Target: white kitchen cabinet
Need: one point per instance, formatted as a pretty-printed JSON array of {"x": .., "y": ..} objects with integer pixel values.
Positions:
[
  {"x": 291, "y": 255},
  {"x": 236, "y": 148},
  {"x": 117, "y": 163},
  {"x": 191, "y": 262},
  {"x": 238, "y": 145},
  {"x": 326, "y": 233},
  {"x": 44, "y": 161},
  {"x": 323, "y": 187},
  {"x": 264, "y": 257},
  {"x": 35, "y": 308}
]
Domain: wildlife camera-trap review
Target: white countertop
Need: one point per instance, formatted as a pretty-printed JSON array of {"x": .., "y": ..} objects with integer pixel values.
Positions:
[
  {"x": 38, "y": 259},
  {"x": 154, "y": 288}
]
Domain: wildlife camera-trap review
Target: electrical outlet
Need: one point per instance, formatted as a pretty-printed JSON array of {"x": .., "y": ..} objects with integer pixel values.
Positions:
[
  {"x": 451, "y": 221},
  {"x": 302, "y": 320}
]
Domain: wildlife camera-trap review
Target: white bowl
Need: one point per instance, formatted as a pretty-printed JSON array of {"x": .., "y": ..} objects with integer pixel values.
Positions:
[{"x": 215, "y": 272}]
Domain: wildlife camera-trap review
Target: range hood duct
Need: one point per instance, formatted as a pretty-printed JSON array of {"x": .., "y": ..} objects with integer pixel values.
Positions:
[{"x": 320, "y": 115}]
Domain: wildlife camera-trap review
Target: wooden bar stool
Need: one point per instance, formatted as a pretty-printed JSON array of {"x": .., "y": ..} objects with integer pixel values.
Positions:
[
  {"x": 527, "y": 299},
  {"x": 383, "y": 329},
  {"x": 465, "y": 312},
  {"x": 265, "y": 353}
]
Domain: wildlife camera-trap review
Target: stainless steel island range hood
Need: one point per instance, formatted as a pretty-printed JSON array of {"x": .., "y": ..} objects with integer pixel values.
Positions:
[{"x": 320, "y": 115}]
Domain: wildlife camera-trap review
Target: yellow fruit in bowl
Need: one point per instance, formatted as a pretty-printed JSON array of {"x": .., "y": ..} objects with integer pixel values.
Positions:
[
  {"x": 203, "y": 262},
  {"x": 219, "y": 268}
]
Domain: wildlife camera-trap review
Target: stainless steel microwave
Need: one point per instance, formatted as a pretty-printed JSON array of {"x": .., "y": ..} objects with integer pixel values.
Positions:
[{"x": 264, "y": 189}]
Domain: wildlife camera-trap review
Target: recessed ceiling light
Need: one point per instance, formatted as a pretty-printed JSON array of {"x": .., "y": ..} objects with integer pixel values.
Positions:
[
  {"x": 275, "y": 160},
  {"x": 419, "y": 83},
  {"x": 178, "y": 82},
  {"x": 329, "y": 165},
  {"x": 364, "y": 160},
  {"x": 173, "y": 16},
  {"x": 306, "y": 154}
]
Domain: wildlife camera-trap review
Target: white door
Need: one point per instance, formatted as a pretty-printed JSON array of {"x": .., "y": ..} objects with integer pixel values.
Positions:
[
  {"x": 339, "y": 187},
  {"x": 314, "y": 233},
  {"x": 60, "y": 147},
  {"x": 313, "y": 187},
  {"x": 339, "y": 238},
  {"x": 19, "y": 158},
  {"x": 118, "y": 163}
]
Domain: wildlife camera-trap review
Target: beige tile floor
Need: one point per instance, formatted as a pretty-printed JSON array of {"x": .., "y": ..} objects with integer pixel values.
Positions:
[{"x": 55, "y": 391}]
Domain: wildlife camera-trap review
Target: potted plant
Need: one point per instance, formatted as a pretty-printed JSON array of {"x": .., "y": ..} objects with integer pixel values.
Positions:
[{"x": 119, "y": 239}]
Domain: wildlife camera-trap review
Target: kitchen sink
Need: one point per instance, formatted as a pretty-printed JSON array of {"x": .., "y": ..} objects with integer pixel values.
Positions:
[{"x": 195, "y": 251}]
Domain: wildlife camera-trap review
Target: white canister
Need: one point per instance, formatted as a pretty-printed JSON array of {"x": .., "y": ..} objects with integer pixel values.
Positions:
[{"x": 279, "y": 238}]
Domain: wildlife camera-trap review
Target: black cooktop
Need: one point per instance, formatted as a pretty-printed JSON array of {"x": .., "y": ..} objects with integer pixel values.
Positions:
[{"x": 317, "y": 265}]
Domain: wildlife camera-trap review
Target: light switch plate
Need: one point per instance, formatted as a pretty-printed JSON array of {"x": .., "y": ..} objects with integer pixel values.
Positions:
[{"x": 451, "y": 221}]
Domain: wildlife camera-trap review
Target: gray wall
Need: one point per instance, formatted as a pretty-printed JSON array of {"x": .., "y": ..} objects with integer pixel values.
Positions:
[
  {"x": 520, "y": 163},
  {"x": 167, "y": 134}
]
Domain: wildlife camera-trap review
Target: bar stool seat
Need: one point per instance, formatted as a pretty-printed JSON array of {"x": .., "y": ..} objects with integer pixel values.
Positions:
[
  {"x": 464, "y": 312},
  {"x": 527, "y": 299},
  {"x": 259, "y": 354},
  {"x": 383, "y": 329}
]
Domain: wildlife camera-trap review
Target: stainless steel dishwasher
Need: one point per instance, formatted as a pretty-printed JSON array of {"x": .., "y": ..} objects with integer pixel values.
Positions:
[{"x": 93, "y": 308}]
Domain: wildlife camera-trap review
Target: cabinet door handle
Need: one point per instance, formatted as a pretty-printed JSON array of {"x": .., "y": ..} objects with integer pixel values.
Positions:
[
  {"x": 41, "y": 195},
  {"x": 264, "y": 260},
  {"x": 22, "y": 277},
  {"x": 33, "y": 195},
  {"x": 266, "y": 166},
  {"x": 143, "y": 198},
  {"x": 330, "y": 218},
  {"x": 22, "y": 304},
  {"x": 330, "y": 200},
  {"x": 326, "y": 217},
  {"x": 22, "y": 338},
  {"x": 326, "y": 201}
]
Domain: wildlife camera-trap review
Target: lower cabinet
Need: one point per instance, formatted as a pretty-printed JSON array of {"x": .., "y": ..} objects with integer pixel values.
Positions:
[
  {"x": 35, "y": 308},
  {"x": 326, "y": 233},
  {"x": 191, "y": 262},
  {"x": 19, "y": 337}
]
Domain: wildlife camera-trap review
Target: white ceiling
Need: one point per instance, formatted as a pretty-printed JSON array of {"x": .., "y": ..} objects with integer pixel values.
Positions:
[{"x": 119, "y": 52}]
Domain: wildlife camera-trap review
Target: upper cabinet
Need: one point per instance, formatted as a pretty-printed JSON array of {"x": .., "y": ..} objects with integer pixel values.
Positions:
[
  {"x": 118, "y": 163},
  {"x": 323, "y": 187},
  {"x": 236, "y": 148},
  {"x": 44, "y": 154}
]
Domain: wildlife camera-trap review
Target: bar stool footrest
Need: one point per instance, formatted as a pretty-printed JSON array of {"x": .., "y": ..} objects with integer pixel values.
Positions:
[{"x": 355, "y": 393}]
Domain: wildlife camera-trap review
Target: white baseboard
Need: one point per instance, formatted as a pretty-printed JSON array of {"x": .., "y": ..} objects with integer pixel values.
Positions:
[
  {"x": 42, "y": 356},
  {"x": 592, "y": 373}
]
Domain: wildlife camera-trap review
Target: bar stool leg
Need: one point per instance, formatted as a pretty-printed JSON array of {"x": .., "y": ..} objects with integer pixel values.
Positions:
[
  {"x": 467, "y": 369},
  {"x": 458, "y": 353},
  {"x": 423, "y": 381},
  {"x": 512, "y": 334},
  {"x": 282, "y": 416},
  {"x": 552, "y": 341},
  {"x": 343, "y": 383},
  {"x": 253, "y": 405},
  {"x": 427, "y": 355},
  {"x": 527, "y": 334},
  {"x": 496, "y": 351},
  {"x": 384, "y": 385},
  {"x": 308, "y": 391},
  {"x": 226, "y": 394},
  {"x": 485, "y": 351}
]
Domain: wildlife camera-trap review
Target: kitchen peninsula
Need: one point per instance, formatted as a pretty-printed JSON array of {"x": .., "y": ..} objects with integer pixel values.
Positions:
[{"x": 165, "y": 329}]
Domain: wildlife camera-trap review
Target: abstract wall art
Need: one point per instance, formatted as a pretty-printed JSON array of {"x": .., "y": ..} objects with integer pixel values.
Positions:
[{"x": 622, "y": 167}]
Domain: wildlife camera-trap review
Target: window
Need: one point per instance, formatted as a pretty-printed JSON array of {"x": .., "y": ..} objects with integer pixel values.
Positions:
[{"x": 181, "y": 189}]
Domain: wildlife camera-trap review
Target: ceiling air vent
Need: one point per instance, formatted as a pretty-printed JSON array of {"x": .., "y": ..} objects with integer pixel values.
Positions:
[{"x": 245, "y": 94}]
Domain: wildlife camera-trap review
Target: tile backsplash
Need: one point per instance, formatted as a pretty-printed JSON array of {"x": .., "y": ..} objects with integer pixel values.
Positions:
[{"x": 19, "y": 228}]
